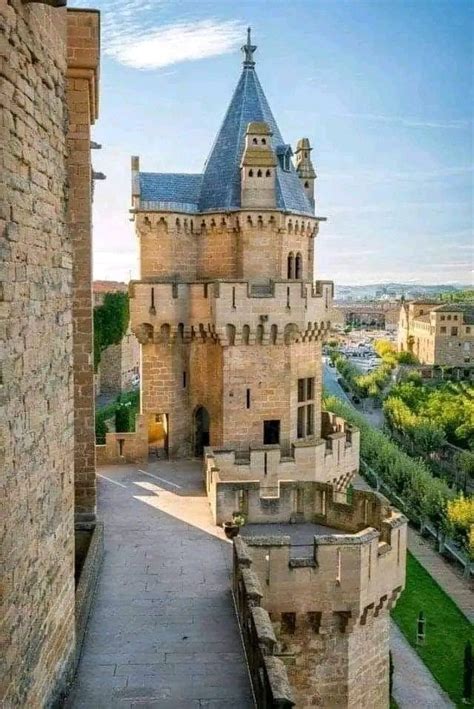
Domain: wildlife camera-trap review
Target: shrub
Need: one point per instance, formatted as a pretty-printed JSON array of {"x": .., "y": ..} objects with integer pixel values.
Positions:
[
  {"x": 100, "y": 428},
  {"x": 425, "y": 496},
  {"x": 110, "y": 323}
]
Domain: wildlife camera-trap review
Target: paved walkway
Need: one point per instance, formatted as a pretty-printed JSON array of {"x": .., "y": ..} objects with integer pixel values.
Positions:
[
  {"x": 162, "y": 632},
  {"x": 450, "y": 581},
  {"x": 413, "y": 685}
]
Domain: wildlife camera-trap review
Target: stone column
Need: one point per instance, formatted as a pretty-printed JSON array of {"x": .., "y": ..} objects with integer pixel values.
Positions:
[{"x": 82, "y": 88}]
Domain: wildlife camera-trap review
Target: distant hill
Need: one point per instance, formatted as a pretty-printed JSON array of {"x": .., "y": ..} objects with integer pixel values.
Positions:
[{"x": 395, "y": 290}]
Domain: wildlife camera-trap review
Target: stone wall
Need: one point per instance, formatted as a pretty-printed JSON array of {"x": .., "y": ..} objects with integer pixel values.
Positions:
[
  {"x": 125, "y": 447},
  {"x": 189, "y": 247},
  {"x": 36, "y": 386},
  {"x": 119, "y": 364},
  {"x": 329, "y": 602},
  {"x": 268, "y": 482},
  {"x": 82, "y": 77}
]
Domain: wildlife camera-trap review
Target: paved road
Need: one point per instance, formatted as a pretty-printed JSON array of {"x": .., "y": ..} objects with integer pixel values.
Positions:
[{"x": 162, "y": 632}]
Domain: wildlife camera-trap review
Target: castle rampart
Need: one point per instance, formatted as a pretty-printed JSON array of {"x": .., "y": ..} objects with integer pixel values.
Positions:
[
  {"x": 329, "y": 600},
  {"x": 268, "y": 486}
]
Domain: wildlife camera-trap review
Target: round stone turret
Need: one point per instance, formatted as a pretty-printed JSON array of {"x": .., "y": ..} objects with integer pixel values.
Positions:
[{"x": 304, "y": 167}]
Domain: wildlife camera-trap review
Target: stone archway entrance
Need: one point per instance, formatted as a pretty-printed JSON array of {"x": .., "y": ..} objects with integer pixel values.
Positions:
[{"x": 201, "y": 430}]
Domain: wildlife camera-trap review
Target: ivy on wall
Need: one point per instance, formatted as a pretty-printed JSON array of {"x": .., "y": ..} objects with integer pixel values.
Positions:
[{"x": 110, "y": 323}]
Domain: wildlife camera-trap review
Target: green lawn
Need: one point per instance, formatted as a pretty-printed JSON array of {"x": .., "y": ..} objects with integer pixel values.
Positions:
[{"x": 447, "y": 629}]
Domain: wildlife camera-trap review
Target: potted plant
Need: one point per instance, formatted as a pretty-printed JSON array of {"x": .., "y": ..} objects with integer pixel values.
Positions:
[{"x": 232, "y": 529}]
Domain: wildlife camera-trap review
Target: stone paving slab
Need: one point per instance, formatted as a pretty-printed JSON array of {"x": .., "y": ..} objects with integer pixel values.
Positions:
[{"x": 163, "y": 631}]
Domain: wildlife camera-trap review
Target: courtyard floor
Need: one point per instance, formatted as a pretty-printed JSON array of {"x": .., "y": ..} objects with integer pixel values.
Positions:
[{"x": 162, "y": 631}]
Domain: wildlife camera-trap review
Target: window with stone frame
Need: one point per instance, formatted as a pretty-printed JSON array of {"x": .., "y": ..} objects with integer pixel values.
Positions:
[
  {"x": 443, "y": 330},
  {"x": 305, "y": 413},
  {"x": 454, "y": 331}
]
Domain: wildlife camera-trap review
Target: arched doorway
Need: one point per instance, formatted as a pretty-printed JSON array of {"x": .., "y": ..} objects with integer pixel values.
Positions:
[{"x": 201, "y": 430}]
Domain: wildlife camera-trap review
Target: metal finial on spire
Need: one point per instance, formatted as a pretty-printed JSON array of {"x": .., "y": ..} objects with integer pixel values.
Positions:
[{"x": 248, "y": 50}]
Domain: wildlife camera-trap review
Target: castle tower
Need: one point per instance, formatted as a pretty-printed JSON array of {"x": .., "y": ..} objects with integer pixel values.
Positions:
[
  {"x": 228, "y": 315},
  {"x": 329, "y": 602},
  {"x": 305, "y": 169}
]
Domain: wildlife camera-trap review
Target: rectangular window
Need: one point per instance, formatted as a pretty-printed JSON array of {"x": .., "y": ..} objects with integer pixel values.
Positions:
[
  {"x": 271, "y": 432},
  {"x": 443, "y": 330},
  {"x": 184, "y": 380},
  {"x": 310, "y": 420},
  {"x": 301, "y": 390},
  {"x": 300, "y": 422},
  {"x": 454, "y": 331},
  {"x": 448, "y": 317},
  {"x": 305, "y": 412},
  {"x": 455, "y": 317},
  {"x": 468, "y": 330},
  {"x": 248, "y": 398},
  {"x": 288, "y": 623},
  {"x": 443, "y": 317}
]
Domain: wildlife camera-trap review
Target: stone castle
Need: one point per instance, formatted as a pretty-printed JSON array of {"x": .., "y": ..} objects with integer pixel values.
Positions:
[
  {"x": 227, "y": 311},
  {"x": 230, "y": 322},
  {"x": 438, "y": 334}
]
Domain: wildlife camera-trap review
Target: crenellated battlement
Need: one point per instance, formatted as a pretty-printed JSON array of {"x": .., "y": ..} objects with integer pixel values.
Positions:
[
  {"x": 150, "y": 217},
  {"x": 354, "y": 563},
  {"x": 231, "y": 312},
  {"x": 328, "y": 588},
  {"x": 265, "y": 483}
]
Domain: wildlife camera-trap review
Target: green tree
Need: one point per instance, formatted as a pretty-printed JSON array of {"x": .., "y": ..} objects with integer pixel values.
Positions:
[
  {"x": 110, "y": 323},
  {"x": 100, "y": 429}
]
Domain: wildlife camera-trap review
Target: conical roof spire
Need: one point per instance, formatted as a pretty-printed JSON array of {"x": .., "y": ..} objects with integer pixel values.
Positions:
[
  {"x": 248, "y": 49},
  {"x": 221, "y": 180}
]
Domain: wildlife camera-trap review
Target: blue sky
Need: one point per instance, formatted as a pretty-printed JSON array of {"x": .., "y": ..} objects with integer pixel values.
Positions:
[{"x": 383, "y": 89}]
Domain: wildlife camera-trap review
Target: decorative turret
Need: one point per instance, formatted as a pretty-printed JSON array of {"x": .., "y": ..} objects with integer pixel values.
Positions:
[
  {"x": 305, "y": 169},
  {"x": 258, "y": 167}
]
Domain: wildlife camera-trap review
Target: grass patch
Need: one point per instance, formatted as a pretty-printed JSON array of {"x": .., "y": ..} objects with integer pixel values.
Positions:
[{"x": 447, "y": 629}]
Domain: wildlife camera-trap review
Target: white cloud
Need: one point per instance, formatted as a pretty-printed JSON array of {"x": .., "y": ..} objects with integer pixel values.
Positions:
[
  {"x": 133, "y": 34},
  {"x": 183, "y": 41}
]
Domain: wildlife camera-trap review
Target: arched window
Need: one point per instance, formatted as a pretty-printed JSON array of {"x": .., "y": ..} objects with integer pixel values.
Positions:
[
  {"x": 298, "y": 266},
  {"x": 264, "y": 142},
  {"x": 255, "y": 141},
  {"x": 291, "y": 265},
  {"x": 259, "y": 334},
  {"x": 250, "y": 173},
  {"x": 306, "y": 184},
  {"x": 268, "y": 173},
  {"x": 245, "y": 334},
  {"x": 259, "y": 173},
  {"x": 273, "y": 334}
]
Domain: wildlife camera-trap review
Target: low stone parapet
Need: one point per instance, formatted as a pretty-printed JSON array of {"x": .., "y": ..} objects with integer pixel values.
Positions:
[
  {"x": 263, "y": 484},
  {"x": 129, "y": 447},
  {"x": 268, "y": 673}
]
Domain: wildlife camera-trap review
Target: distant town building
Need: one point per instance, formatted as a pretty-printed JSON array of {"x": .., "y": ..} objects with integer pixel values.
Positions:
[
  {"x": 119, "y": 365},
  {"x": 382, "y": 314},
  {"x": 437, "y": 334}
]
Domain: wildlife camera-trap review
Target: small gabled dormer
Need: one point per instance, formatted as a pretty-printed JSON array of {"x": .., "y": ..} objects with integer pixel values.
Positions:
[
  {"x": 258, "y": 167},
  {"x": 305, "y": 169}
]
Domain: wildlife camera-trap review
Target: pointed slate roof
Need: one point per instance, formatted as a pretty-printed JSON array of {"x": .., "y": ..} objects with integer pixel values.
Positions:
[{"x": 219, "y": 188}]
